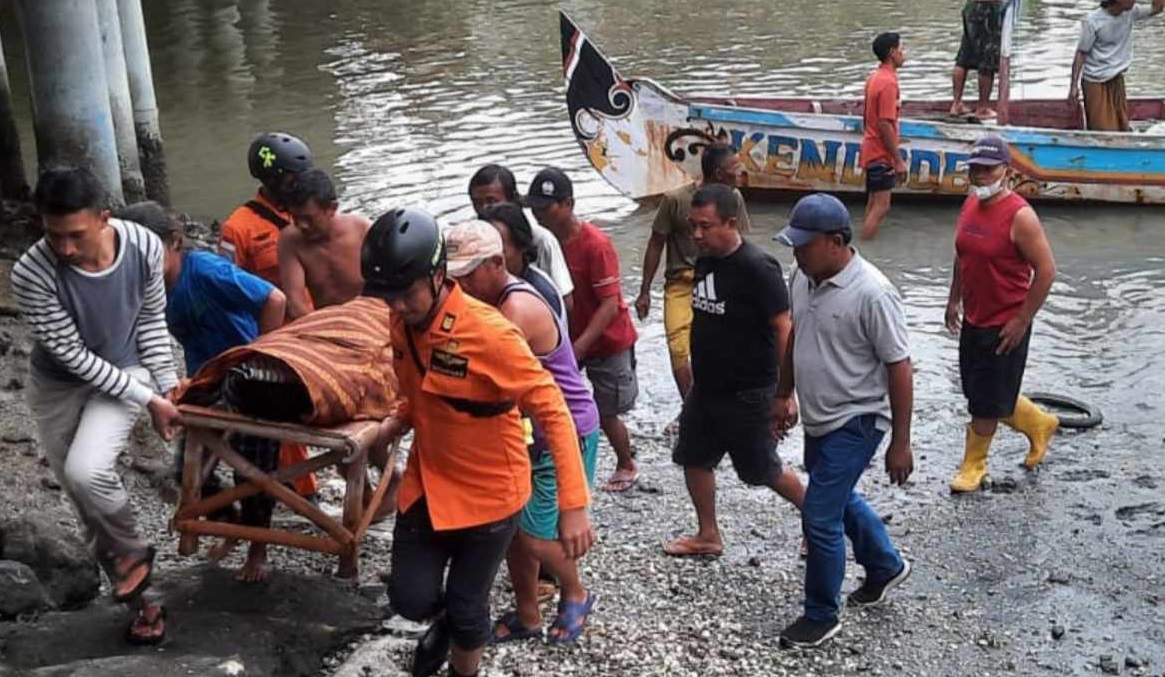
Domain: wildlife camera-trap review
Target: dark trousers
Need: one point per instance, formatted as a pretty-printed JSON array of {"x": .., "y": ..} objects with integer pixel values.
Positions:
[{"x": 418, "y": 587}]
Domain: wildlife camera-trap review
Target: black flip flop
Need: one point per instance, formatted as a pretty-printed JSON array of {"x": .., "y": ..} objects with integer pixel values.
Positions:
[
  {"x": 148, "y": 561},
  {"x": 515, "y": 631},
  {"x": 139, "y": 640}
]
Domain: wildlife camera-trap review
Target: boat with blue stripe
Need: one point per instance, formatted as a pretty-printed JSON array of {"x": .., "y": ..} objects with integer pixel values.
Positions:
[{"x": 645, "y": 140}]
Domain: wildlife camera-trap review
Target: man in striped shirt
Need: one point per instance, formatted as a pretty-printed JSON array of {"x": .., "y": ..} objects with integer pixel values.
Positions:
[{"x": 92, "y": 291}]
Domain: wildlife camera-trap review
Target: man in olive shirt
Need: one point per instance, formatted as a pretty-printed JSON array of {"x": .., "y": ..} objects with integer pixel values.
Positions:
[{"x": 720, "y": 164}]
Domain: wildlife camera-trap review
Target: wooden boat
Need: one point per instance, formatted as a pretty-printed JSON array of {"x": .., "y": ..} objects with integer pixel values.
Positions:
[{"x": 646, "y": 140}]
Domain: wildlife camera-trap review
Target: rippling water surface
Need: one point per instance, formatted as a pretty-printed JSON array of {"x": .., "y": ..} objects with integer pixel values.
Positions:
[{"x": 406, "y": 99}]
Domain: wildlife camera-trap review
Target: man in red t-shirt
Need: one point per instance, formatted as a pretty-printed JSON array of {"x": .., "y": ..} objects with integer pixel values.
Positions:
[
  {"x": 884, "y": 166},
  {"x": 600, "y": 324},
  {"x": 1003, "y": 272}
]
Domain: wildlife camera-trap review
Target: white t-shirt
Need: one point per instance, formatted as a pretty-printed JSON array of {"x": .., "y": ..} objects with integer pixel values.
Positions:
[
  {"x": 550, "y": 259},
  {"x": 1108, "y": 42}
]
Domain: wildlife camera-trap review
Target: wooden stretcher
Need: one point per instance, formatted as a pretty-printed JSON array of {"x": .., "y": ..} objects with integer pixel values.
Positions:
[{"x": 348, "y": 445}]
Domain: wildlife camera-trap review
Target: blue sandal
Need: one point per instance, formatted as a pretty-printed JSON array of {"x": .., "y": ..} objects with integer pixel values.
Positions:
[
  {"x": 572, "y": 619},
  {"x": 515, "y": 631}
]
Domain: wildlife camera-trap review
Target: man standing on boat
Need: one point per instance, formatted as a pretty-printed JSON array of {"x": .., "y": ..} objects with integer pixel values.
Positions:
[
  {"x": 1103, "y": 54},
  {"x": 884, "y": 166},
  {"x": 980, "y": 51},
  {"x": 1002, "y": 274},
  {"x": 671, "y": 232}
]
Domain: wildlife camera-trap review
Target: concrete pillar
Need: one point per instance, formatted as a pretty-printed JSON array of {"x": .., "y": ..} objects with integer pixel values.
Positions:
[
  {"x": 70, "y": 95},
  {"x": 120, "y": 103},
  {"x": 145, "y": 106},
  {"x": 13, "y": 184}
]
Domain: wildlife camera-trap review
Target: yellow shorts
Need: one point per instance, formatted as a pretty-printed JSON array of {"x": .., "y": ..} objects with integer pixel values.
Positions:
[{"x": 677, "y": 318}]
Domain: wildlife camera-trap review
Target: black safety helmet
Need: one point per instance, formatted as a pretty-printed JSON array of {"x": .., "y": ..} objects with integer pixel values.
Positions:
[
  {"x": 275, "y": 153},
  {"x": 402, "y": 246}
]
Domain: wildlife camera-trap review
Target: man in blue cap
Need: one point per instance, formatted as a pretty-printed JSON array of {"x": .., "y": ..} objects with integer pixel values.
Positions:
[{"x": 849, "y": 362}]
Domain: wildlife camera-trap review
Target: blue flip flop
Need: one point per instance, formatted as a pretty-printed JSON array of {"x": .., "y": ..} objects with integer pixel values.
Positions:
[
  {"x": 572, "y": 619},
  {"x": 515, "y": 631}
]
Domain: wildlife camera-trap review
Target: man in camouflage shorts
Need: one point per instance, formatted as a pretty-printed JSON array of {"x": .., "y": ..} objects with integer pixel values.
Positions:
[{"x": 978, "y": 51}]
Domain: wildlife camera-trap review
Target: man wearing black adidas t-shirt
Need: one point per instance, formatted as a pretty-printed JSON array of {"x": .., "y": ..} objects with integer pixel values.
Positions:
[{"x": 740, "y": 330}]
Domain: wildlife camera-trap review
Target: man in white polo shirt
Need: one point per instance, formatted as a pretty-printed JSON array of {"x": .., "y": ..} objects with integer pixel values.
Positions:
[{"x": 849, "y": 361}]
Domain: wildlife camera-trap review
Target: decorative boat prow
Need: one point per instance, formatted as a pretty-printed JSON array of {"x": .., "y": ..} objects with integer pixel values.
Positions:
[
  {"x": 622, "y": 125},
  {"x": 645, "y": 140}
]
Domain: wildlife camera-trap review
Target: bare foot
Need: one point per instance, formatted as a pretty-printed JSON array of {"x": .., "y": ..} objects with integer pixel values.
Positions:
[
  {"x": 960, "y": 110},
  {"x": 255, "y": 569},
  {"x": 985, "y": 114},
  {"x": 694, "y": 546},
  {"x": 220, "y": 551}
]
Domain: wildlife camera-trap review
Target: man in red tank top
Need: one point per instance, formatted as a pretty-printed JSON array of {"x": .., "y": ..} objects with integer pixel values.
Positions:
[{"x": 1002, "y": 274}]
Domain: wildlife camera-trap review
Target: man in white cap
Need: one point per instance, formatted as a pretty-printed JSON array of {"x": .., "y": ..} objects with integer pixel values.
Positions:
[{"x": 477, "y": 261}]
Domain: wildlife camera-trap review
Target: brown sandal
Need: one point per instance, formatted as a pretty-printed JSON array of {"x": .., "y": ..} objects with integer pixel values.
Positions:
[
  {"x": 146, "y": 560},
  {"x": 140, "y": 631}
]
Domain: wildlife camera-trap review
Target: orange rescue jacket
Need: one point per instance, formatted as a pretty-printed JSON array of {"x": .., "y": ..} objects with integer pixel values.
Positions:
[
  {"x": 250, "y": 237},
  {"x": 465, "y": 379}
]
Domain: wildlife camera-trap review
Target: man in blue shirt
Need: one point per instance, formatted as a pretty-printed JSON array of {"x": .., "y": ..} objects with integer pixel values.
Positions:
[{"x": 212, "y": 305}]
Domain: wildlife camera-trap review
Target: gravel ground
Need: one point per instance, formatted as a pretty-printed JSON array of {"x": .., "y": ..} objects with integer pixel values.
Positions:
[
  {"x": 987, "y": 597},
  {"x": 1053, "y": 572}
]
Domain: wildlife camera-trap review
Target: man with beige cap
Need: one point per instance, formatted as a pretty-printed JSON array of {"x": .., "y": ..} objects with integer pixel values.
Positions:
[{"x": 476, "y": 259}]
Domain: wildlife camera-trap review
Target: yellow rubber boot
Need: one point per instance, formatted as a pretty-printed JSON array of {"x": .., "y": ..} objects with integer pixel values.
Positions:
[
  {"x": 1037, "y": 424},
  {"x": 974, "y": 467}
]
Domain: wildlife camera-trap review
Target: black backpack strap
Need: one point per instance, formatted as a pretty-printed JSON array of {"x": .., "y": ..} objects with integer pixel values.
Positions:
[
  {"x": 266, "y": 213},
  {"x": 413, "y": 350}
]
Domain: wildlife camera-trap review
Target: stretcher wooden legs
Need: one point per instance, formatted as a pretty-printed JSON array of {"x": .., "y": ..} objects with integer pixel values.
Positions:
[{"x": 347, "y": 447}]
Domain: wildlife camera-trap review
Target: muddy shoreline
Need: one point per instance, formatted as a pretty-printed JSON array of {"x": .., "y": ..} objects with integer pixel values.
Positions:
[{"x": 1049, "y": 572}]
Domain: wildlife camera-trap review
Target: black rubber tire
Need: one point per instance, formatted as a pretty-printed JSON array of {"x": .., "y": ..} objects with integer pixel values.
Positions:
[{"x": 1090, "y": 416}]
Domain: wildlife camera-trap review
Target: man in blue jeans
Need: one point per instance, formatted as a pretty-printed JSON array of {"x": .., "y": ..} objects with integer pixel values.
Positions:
[{"x": 850, "y": 363}]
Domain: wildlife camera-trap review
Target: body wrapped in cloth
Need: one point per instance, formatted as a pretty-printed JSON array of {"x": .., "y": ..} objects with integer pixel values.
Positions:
[
  {"x": 327, "y": 369},
  {"x": 330, "y": 367}
]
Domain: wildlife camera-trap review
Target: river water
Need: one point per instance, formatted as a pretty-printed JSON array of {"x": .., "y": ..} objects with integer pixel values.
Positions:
[{"x": 404, "y": 100}]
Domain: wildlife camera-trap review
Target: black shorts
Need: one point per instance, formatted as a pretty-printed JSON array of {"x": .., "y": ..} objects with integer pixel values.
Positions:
[
  {"x": 737, "y": 423},
  {"x": 418, "y": 588},
  {"x": 991, "y": 382},
  {"x": 982, "y": 37},
  {"x": 880, "y": 177}
]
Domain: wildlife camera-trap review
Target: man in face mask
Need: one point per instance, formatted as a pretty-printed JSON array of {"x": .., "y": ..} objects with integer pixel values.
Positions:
[{"x": 1002, "y": 274}]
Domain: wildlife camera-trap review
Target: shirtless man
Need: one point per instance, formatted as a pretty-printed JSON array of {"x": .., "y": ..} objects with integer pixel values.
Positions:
[{"x": 322, "y": 251}]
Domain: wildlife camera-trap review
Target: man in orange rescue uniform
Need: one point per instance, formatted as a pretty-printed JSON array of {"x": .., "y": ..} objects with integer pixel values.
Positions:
[
  {"x": 465, "y": 372},
  {"x": 250, "y": 235}
]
